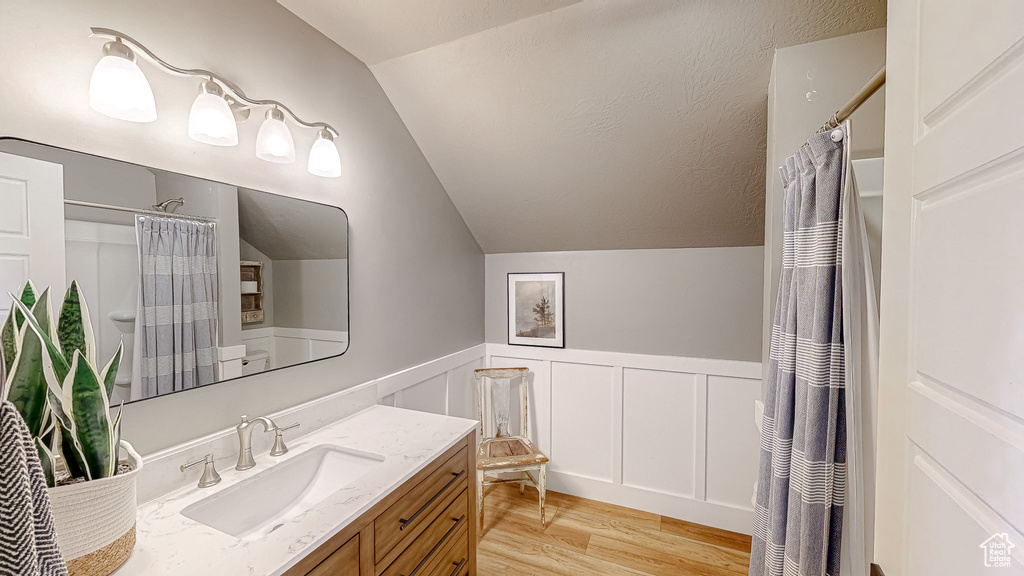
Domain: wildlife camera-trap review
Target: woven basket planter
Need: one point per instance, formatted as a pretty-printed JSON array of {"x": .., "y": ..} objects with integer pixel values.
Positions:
[{"x": 95, "y": 520}]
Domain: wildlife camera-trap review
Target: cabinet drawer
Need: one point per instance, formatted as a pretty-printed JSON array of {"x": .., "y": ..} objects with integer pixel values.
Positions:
[
  {"x": 345, "y": 561},
  {"x": 414, "y": 509},
  {"x": 447, "y": 528},
  {"x": 455, "y": 560}
]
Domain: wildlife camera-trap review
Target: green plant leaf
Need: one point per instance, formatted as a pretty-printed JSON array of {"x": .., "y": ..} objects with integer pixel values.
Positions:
[
  {"x": 59, "y": 365},
  {"x": 74, "y": 327},
  {"x": 71, "y": 451},
  {"x": 26, "y": 385},
  {"x": 90, "y": 416},
  {"x": 109, "y": 374},
  {"x": 116, "y": 429},
  {"x": 49, "y": 462},
  {"x": 9, "y": 330}
]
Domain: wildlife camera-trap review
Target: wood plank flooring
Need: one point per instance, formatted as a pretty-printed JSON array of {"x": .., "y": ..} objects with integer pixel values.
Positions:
[{"x": 586, "y": 538}]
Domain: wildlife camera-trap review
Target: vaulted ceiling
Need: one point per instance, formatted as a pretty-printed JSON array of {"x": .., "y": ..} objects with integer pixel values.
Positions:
[
  {"x": 594, "y": 124},
  {"x": 284, "y": 228}
]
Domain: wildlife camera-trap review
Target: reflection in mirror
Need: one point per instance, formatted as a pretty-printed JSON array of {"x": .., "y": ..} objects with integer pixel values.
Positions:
[{"x": 201, "y": 281}]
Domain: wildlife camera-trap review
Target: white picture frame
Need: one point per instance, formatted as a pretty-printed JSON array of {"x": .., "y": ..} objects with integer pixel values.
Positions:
[{"x": 536, "y": 309}]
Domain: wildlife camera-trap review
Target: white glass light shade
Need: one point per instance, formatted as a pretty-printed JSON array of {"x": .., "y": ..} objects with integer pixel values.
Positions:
[
  {"x": 119, "y": 89},
  {"x": 274, "y": 142},
  {"x": 324, "y": 159},
  {"x": 211, "y": 122}
]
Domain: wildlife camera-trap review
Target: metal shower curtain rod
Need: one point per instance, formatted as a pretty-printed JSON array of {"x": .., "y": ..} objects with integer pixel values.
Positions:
[
  {"x": 138, "y": 211},
  {"x": 866, "y": 92}
]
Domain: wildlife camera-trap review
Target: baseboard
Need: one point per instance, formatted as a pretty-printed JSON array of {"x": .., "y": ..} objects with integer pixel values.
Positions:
[{"x": 721, "y": 516}]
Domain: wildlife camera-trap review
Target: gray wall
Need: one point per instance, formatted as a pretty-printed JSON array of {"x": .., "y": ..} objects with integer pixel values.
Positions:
[
  {"x": 311, "y": 294},
  {"x": 695, "y": 302},
  {"x": 415, "y": 267}
]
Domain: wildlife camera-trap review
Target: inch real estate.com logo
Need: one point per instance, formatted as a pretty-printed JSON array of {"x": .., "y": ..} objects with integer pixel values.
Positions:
[{"x": 997, "y": 550}]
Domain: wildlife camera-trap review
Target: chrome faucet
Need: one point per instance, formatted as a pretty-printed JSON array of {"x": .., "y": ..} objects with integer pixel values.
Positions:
[
  {"x": 210, "y": 476},
  {"x": 245, "y": 459}
]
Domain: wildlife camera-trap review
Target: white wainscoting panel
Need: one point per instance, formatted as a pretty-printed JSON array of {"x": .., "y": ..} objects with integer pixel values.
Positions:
[
  {"x": 428, "y": 396},
  {"x": 290, "y": 346},
  {"x": 582, "y": 404},
  {"x": 664, "y": 434},
  {"x": 605, "y": 417},
  {"x": 289, "y": 351},
  {"x": 732, "y": 440},
  {"x": 327, "y": 348},
  {"x": 658, "y": 433},
  {"x": 461, "y": 391},
  {"x": 442, "y": 386}
]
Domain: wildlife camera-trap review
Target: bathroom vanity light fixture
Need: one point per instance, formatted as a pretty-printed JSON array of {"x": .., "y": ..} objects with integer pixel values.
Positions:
[
  {"x": 274, "y": 142},
  {"x": 211, "y": 121},
  {"x": 120, "y": 90},
  {"x": 323, "y": 156}
]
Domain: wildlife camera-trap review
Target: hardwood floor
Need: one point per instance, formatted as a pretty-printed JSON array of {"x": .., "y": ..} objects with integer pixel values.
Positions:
[{"x": 586, "y": 538}]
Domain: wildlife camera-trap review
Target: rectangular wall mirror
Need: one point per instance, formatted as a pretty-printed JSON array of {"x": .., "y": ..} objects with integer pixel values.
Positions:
[{"x": 202, "y": 281}]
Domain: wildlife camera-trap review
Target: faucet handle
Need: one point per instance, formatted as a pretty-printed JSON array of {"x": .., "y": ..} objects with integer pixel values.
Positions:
[
  {"x": 279, "y": 448},
  {"x": 210, "y": 476}
]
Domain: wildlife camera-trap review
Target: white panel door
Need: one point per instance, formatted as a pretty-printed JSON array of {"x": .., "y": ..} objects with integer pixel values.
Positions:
[
  {"x": 956, "y": 80},
  {"x": 31, "y": 226}
]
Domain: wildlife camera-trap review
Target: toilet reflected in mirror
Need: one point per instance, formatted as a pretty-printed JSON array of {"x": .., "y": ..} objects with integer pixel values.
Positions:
[
  {"x": 255, "y": 361},
  {"x": 124, "y": 321}
]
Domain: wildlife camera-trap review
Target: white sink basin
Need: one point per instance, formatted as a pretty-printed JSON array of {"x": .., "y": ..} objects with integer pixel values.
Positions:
[{"x": 259, "y": 505}]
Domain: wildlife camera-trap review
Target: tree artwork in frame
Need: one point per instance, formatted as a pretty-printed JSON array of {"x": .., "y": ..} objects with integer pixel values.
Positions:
[{"x": 536, "y": 309}]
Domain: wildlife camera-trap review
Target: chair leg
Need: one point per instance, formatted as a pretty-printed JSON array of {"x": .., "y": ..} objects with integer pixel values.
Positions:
[
  {"x": 522, "y": 483},
  {"x": 542, "y": 489},
  {"x": 480, "y": 499}
]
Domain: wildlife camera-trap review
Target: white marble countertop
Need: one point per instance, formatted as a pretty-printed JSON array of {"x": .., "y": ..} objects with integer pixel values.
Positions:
[{"x": 169, "y": 543}]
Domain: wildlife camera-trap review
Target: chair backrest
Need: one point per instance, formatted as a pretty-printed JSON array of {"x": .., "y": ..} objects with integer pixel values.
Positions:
[{"x": 499, "y": 379}]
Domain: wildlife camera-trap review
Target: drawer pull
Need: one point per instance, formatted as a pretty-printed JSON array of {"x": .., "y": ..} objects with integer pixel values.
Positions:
[
  {"x": 447, "y": 535},
  {"x": 406, "y": 523},
  {"x": 458, "y": 566}
]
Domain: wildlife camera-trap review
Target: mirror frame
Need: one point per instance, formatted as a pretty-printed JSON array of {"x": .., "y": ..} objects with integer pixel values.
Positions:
[{"x": 348, "y": 262}]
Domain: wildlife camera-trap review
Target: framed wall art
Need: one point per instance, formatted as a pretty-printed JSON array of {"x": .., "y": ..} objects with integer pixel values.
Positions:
[{"x": 536, "y": 309}]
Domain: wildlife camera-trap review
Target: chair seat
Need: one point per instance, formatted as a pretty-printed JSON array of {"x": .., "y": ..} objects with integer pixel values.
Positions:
[{"x": 510, "y": 452}]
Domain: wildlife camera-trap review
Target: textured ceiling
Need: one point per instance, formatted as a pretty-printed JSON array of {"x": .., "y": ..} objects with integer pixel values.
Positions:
[
  {"x": 286, "y": 228},
  {"x": 378, "y": 30},
  {"x": 603, "y": 124}
]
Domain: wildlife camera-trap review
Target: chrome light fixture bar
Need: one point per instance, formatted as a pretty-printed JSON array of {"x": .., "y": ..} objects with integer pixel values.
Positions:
[{"x": 208, "y": 121}]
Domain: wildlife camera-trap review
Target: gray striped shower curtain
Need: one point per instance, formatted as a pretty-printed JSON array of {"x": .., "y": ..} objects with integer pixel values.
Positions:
[
  {"x": 798, "y": 515},
  {"x": 177, "y": 304}
]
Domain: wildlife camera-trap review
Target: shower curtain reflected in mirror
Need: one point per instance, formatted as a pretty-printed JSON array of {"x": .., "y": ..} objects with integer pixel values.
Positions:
[{"x": 178, "y": 299}]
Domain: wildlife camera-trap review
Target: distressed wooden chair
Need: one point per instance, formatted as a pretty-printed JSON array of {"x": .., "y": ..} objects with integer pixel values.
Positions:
[{"x": 500, "y": 451}]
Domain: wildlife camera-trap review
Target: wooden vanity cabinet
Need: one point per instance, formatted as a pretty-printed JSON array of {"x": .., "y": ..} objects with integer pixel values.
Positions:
[{"x": 425, "y": 527}]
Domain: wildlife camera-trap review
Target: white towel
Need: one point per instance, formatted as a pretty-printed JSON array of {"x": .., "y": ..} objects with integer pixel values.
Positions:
[{"x": 28, "y": 541}]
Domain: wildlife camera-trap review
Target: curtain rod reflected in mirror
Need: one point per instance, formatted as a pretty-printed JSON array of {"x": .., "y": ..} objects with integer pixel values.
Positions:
[{"x": 163, "y": 213}]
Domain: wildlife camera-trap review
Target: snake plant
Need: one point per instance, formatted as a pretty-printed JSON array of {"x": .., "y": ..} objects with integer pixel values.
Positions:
[{"x": 51, "y": 376}]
